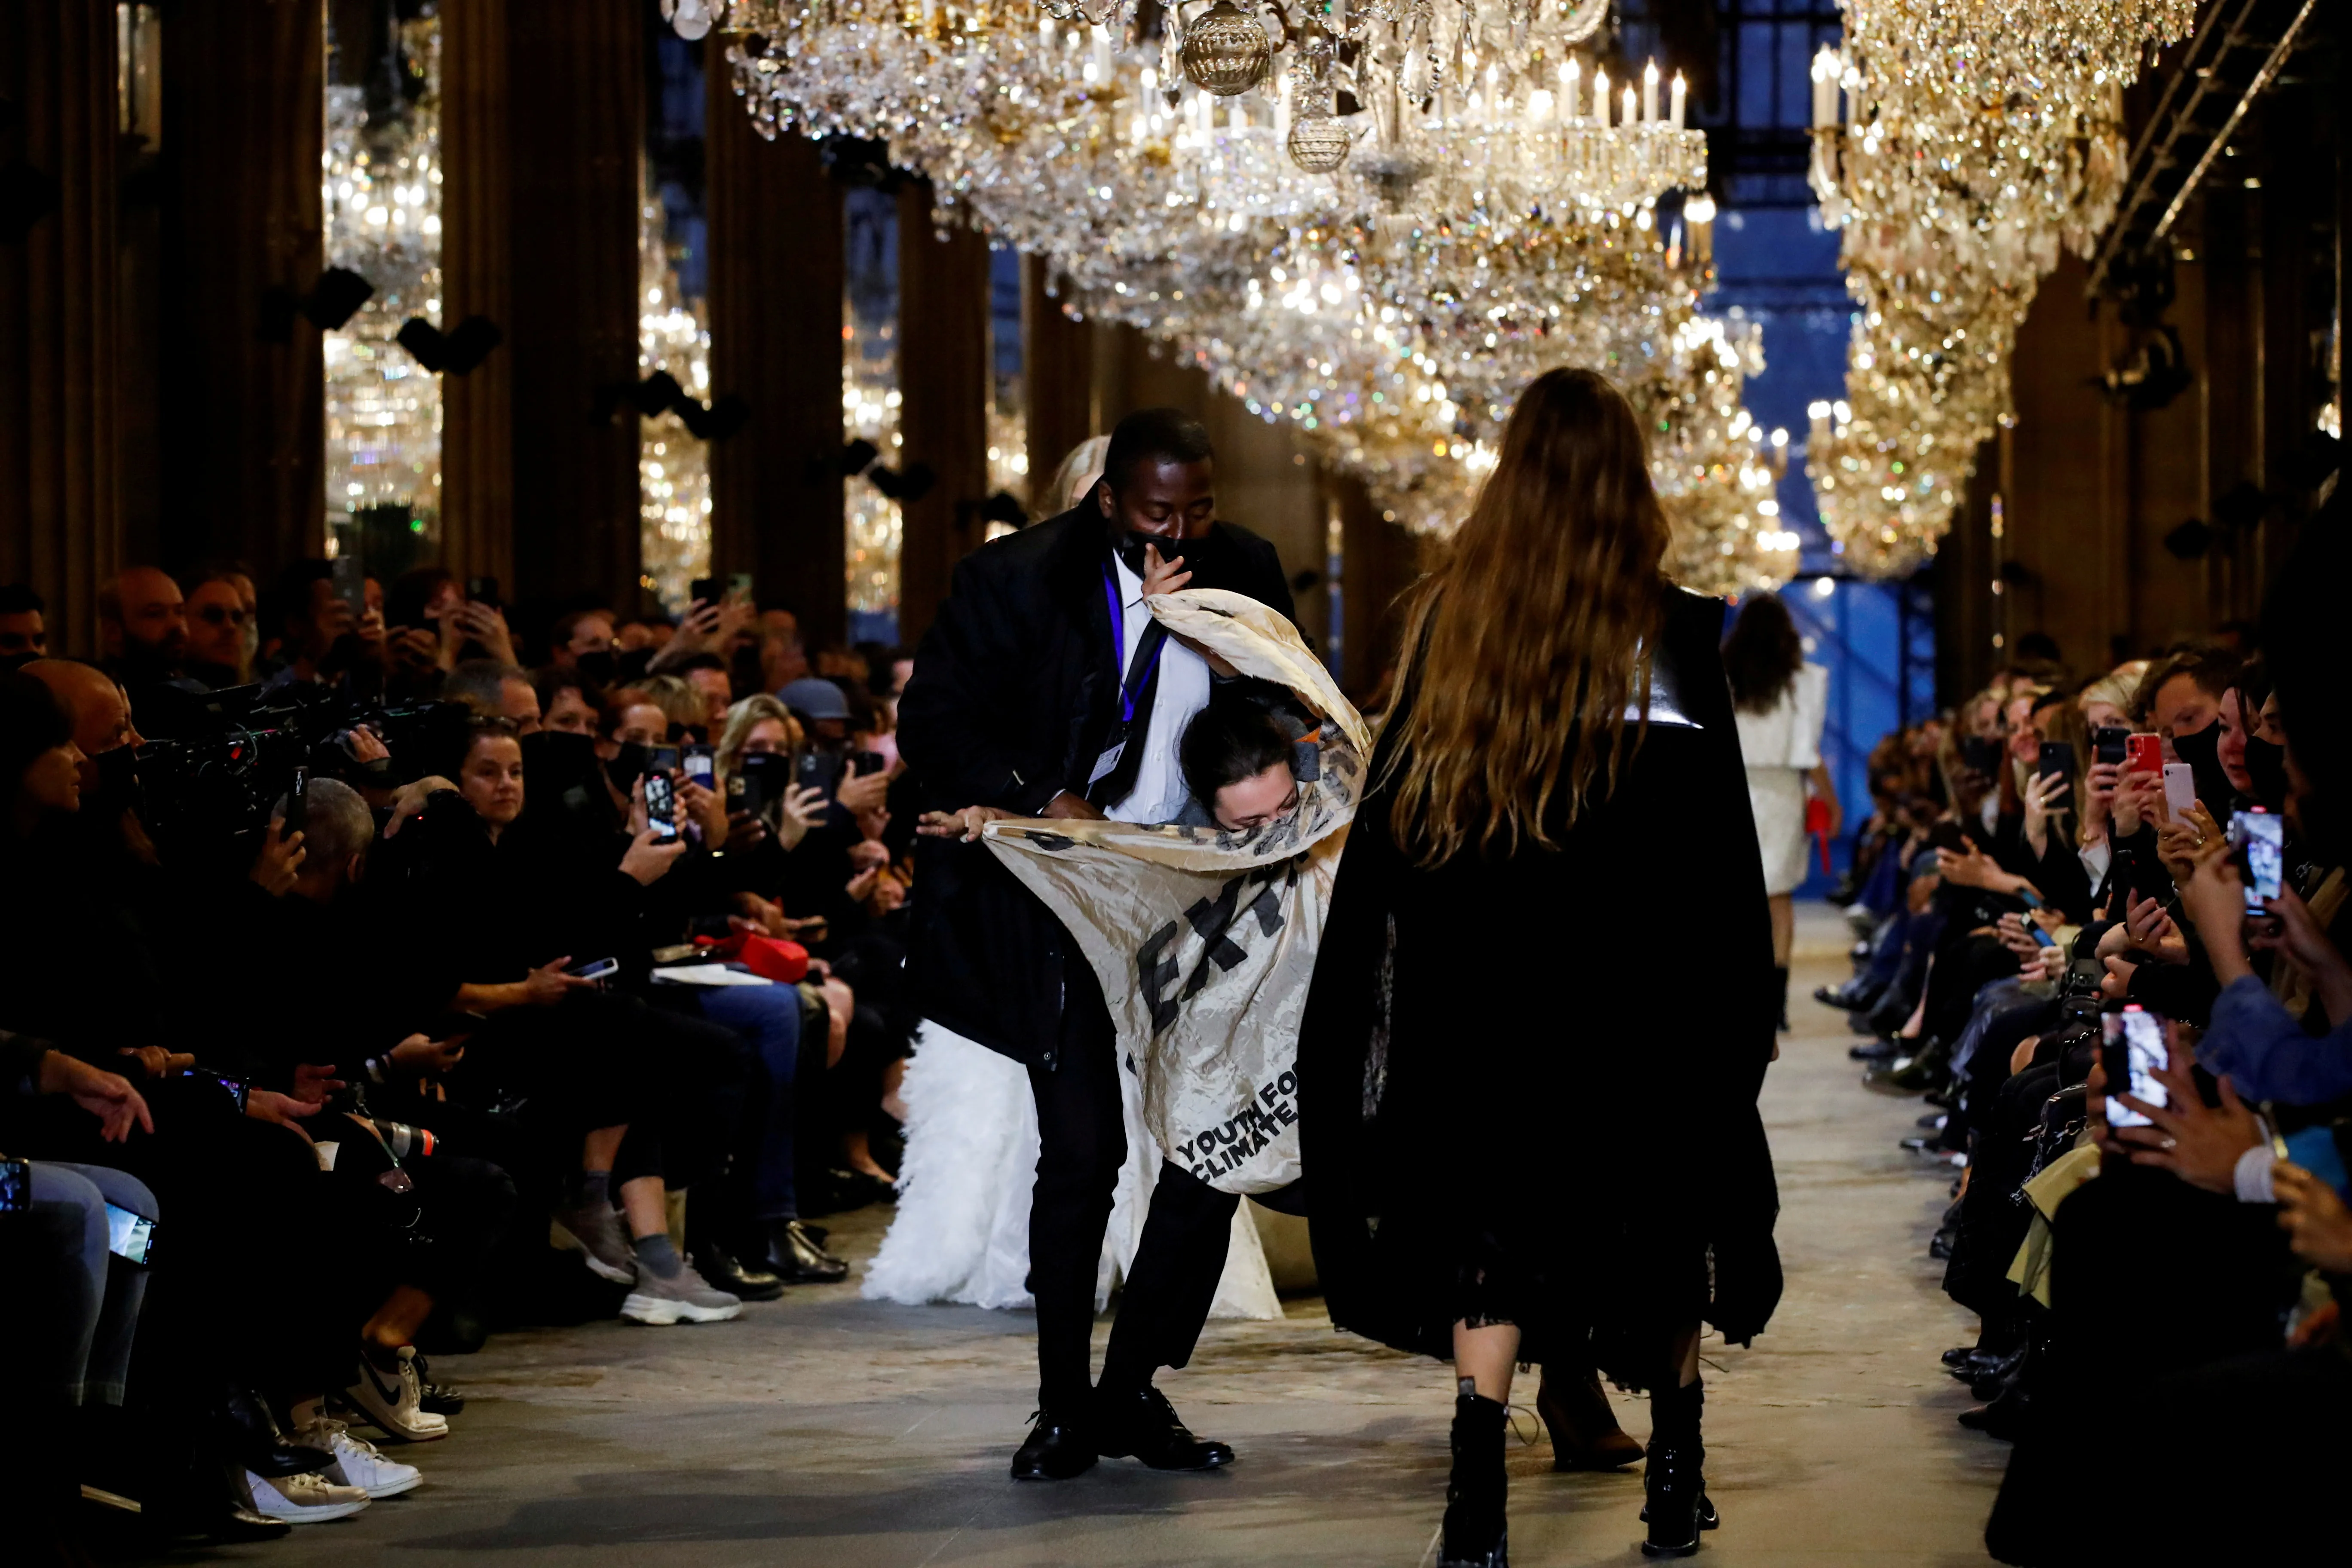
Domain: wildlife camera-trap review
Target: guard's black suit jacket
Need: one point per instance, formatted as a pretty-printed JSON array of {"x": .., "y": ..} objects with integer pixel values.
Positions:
[{"x": 1015, "y": 695}]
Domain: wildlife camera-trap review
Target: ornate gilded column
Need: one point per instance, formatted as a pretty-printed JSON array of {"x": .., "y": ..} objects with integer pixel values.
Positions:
[
  {"x": 476, "y": 408},
  {"x": 776, "y": 265},
  {"x": 943, "y": 310},
  {"x": 60, "y": 514},
  {"x": 244, "y": 436},
  {"x": 575, "y": 106}
]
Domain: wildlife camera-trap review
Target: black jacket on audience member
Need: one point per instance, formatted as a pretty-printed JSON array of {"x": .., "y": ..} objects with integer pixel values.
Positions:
[
  {"x": 1520, "y": 1087},
  {"x": 1015, "y": 693}
]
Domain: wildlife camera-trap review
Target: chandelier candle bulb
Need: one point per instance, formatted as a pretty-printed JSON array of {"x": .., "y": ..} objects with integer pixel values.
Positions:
[
  {"x": 1674, "y": 100},
  {"x": 1626, "y": 117},
  {"x": 1600, "y": 98},
  {"x": 1825, "y": 89},
  {"x": 1650, "y": 93},
  {"x": 1571, "y": 86}
]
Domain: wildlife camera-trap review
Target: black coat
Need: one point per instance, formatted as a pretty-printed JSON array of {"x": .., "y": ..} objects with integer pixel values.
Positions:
[
  {"x": 1015, "y": 695},
  {"x": 1540, "y": 1068}
]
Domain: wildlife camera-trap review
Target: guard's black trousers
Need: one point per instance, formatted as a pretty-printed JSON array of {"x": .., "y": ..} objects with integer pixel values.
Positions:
[{"x": 1081, "y": 1143}]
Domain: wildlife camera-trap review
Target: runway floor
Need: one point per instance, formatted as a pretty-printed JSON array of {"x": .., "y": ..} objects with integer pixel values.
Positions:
[{"x": 826, "y": 1431}]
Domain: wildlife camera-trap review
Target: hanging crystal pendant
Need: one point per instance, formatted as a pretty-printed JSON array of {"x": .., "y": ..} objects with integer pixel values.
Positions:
[{"x": 1227, "y": 51}]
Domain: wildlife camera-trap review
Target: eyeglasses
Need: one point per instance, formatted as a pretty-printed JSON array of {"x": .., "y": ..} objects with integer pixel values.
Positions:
[{"x": 224, "y": 615}]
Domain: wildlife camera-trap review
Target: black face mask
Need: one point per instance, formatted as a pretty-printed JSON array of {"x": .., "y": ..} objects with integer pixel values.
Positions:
[
  {"x": 597, "y": 669},
  {"x": 2266, "y": 766},
  {"x": 624, "y": 769},
  {"x": 1132, "y": 545},
  {"x": 2203, "y": 752}
]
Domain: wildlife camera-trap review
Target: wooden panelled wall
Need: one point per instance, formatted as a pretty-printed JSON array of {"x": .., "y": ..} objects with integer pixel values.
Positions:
[
  {"x": 148, "y": 414},
  {"x": 2094, "y": 493}
]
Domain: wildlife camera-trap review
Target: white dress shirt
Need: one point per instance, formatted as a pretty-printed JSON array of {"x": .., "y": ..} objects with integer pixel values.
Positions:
[{"x": 1159, "y": 794}]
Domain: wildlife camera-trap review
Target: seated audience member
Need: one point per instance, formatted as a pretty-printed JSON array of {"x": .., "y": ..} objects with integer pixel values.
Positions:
[
  {"x": 322, "y": 641},
  {"x": 495, "y": 691},
  {"x": 220, "y": 608},
  {"x": 707, "y": 673},
  {"x": 70, "y": 1308},
  {"x": 565, "y": 705},
  {"x": 23, "y": 627},
  {"x": 143, "y": 626},
  {"x": 581, "y": 644}
]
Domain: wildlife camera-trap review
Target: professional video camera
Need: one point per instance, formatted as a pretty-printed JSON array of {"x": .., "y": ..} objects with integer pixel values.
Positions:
[{"x": 226, "y": 757}]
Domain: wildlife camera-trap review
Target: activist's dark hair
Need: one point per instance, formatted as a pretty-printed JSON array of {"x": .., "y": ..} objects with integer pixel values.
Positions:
[{"x": 1231, "y": 740}]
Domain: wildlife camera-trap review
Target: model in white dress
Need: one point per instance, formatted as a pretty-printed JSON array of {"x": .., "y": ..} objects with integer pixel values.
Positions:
[{"x": 1780, "y": 746}]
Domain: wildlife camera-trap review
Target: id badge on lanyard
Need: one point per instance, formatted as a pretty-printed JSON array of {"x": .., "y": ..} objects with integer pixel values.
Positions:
[{"x": 1139, "y": 674}]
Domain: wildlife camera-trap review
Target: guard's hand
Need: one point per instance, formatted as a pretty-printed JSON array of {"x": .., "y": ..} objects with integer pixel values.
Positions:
[
  {"x": 965, "y": 825},
  {"x": 1163, "y": 577}
]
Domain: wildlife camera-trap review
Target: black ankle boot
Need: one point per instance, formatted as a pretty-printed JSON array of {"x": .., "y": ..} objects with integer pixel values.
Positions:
[
  {"x": 1677, "y": 1508},
  {"x": 1477, "y": 1533},
  {"x": 1780, "y": 970}
]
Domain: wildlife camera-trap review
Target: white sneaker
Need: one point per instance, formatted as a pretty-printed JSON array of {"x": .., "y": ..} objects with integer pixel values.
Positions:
[
  {"x": 392, "y": 1403},
  {"x": 304, "y": 1500},
  {"x": 359, "y": 1463},
  {"x": 684, "y": 1298}
]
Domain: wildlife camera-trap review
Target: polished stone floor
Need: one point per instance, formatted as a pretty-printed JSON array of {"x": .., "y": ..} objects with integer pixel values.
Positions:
[{"x": 826, "y": 1431}]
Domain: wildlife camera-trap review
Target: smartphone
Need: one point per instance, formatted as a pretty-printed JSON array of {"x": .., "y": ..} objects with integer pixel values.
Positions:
[
  {"x": 129, "y": 1236},
  {"x": 2107, "y": 745},
  {"x": 298, "y": 803},
  {"x": 2132, "y": 1046},
  {"x": 595, "y": 969},
  {"x": 483, "y": 591},
  {"x": 661, "y": 804},
  {"x": 16, "y": 1184},
  {"x": 236, "y": 1090},
  {"x": 2179, "y": 790},
  {"x": 2041, "y": 938},
  {"x": 348, "y": 575},
  {"x": 867, "y": 762},
  {"x": 705, "y": 589},
  {"x": 2260, "y": 840},
  {"x": 664, "y": 758},
  {"x": 819, "y": 770},
  {"x": 758, "y": 782},
  {"x": 1980, "y": 755},
  {"x": 2143, "y": 754},
  {"x": 2057, "y": 757},
  {"x": 701, "y": 764}
]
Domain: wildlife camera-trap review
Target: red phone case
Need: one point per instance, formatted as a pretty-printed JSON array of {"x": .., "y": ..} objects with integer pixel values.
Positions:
[{"x": 2143, "y": 754}]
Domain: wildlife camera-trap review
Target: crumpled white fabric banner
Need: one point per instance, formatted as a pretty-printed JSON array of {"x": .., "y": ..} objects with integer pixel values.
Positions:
[{"x": 1205, "y": 940}]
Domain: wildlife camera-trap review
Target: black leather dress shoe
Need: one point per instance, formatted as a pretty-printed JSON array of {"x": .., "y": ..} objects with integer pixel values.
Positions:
[
  {"x": 1055, "y": 1450},
  {"x": 1143, "y": 1426},
  {"x": 748, "y": 1280},
  {"x": 798, "y": 1257}
]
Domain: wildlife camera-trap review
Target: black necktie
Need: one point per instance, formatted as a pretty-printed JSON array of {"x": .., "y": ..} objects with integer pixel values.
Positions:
[{"x": 1115, "y": 785}]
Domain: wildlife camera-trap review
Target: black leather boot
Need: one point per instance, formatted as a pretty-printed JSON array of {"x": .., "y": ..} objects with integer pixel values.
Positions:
[
  {"x": 1477, "y": 1534},
  {"x": 1780, "y": 970},
  {"x": 1675, "y": 1479}
]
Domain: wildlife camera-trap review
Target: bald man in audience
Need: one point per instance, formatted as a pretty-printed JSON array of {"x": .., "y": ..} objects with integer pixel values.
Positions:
[
  {"x": 99, "y": 711},
  {"x": 142, "y": 622}
]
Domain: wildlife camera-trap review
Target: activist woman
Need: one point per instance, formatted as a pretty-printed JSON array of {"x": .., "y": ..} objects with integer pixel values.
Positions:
[{"x": 1558, "y": 835}]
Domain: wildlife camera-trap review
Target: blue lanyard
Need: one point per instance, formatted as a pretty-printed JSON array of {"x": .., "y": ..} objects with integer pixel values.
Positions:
[{"x": 1136, "y": 679}]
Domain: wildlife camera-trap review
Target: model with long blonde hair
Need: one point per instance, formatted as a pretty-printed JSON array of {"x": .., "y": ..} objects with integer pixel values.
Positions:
[{"x": 1528, "y": 1079}]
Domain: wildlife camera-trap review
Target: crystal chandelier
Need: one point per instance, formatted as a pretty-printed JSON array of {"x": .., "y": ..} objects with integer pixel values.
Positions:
[{"x": 1980, "y": 136}]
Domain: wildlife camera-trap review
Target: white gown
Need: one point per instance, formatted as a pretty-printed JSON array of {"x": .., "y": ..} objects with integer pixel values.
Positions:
[{"x": 961, "y": 1231}]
